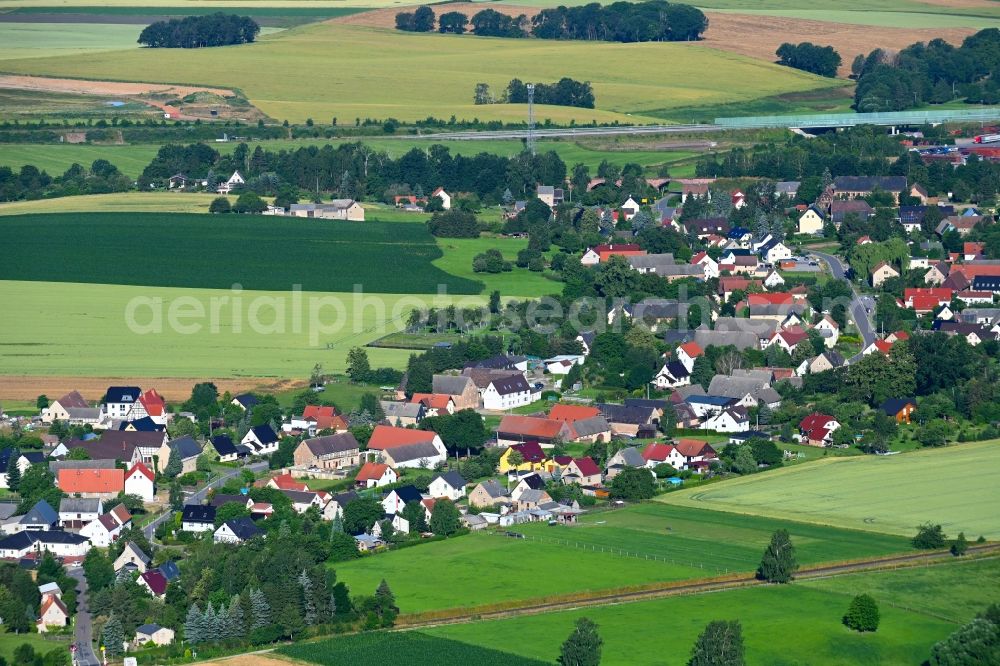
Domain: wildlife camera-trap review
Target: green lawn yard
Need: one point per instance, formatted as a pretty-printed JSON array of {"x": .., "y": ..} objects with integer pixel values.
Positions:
[{"x": 954, "y": 486}]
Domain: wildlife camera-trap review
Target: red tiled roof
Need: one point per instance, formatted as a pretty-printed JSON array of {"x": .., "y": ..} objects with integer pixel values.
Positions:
[
  {"x": 121, "y": 514},
  {"x": 286, "y": 482},
  {"x": 657, "y": 451},
  {"x": 573, "y": 412},
  {"x": 587, "y": 466},
  {"x": 371, "y": 472},
  {"x": 692, "y": 349},
  {"x": 883, "y": 346},
  {"x": 52, "y": 600},
  {"x": 793, "y": 335},
  {"x": 693, "y": 447},
  {"x": 973, "y": 270},
  {"x": 773, "y": 298},
  {"x": 940, "y": 293},
  {"x": 902, "y": 335},
  {"x": 153, "y": 402},
  {"x": 530, "y": 426},
  {"x": 105, "y": 481},
  {"x": 141, "y": 469},
  {"x": 432, "y": 400},
  {"x": 924, "y": 302},
  {"x": 387, "y": 437},
  {"x": 325, "y": 416},
  {"x": 815, "y": 420}
]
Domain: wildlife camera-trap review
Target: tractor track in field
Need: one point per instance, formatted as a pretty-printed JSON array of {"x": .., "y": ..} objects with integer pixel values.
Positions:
[{"x": 699, "y": 587}]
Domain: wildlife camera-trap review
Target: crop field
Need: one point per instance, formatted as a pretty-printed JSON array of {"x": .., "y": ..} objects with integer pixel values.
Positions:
[
  {"x": 122, "y": 202},
  {"x": 626, "y": 547},
  {"x": 376, "y": 73},
  {"x": 69, "y": 329},
  {"x": 411, "y": 647},
  {"x": 953, "y": 486},
  {"x": 217, "y": 252},
  {"x": 719, "y": 541},
  {"x": 774, "y": 630},
  {"x": 41, "y": 40}
]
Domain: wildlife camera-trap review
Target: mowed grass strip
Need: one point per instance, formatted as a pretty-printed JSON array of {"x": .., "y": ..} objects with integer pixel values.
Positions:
[
  {"x": 954, "y": 486},
  {"x": 255, "y": 252},
  {"x": 373, "y": 73},
  {"x": 783, "y": 625},
  {"x": 411, "y": 647},
  {"x": 714, "y": 541},
  {"x": 632, "y": 546},
  {"x": 69, "y": 329}
]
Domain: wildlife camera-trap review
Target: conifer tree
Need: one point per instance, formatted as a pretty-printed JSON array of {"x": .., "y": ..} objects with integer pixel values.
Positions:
[
  {"x": 385, "y": 604},
  {"x": 237, "y": 622},
  {"x": 261, "y": 610},
  {"x": 210, "y": 623},
  {"x": 112, "y": 636},
  {"x": 192, "y": 625},
  {"x": 308, "y": 604}
]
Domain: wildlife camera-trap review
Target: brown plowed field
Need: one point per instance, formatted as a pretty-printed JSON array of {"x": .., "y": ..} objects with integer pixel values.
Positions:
[
  {"x": 110, "y": 88},
  {"x": 20, "y": 387},
  {"x": 752, "y": 35}
]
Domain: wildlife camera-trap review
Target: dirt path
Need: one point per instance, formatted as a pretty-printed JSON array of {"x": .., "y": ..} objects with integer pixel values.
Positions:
[{"x": 173, "y": 389}]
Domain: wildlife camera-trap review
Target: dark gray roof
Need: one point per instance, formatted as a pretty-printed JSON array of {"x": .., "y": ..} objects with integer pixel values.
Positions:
[
  {"x": 594, "y": 425},
  {"x": 244, "y": 528},
  {"x": 406, "y": 493},
  {"x": 248, "y": 400},
  {"x": 186, "y": 446},
  {"x": 339, "y": 443},
  {"x": 393, "y": 409},
  {"x": 223, "y": 445},
  {"x": 122, "y": 394},
  {"x": 493, "y": 488},
  {"x": 409, "y": 452},
  {"x": 449, "y": 384},
  {"x": 533, "y": 481},
  {"x": 220, "y": 498},
  {"x": 265, "y": 434},
  {"x": 198, "y": 513},
  {"x": 869, "y": 183},
  {"x": 148, "y": 629},
  {"x": 511, "y": 384},
  {"x": 41, "y": 514},
  {"x": 170, "y": 570},
  {"x": 79, "y": 505},
  {"x": 739, "y": 339},
  {"x": 454, "y": 479},
  {"x": 623, "y": 414},
  {"x": 632, "y": 457}
]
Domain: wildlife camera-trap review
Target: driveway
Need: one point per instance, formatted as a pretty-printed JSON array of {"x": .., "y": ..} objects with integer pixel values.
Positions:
[
  {"x": 859, "y": 315},
  {"x": 85, "y": 655},
  {"x": 200, "y": 495}
]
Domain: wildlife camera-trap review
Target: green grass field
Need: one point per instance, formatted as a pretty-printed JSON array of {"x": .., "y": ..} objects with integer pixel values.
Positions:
[
  {"x": 377, "y": 649},
  {"x": 54, "y": 328},
  {"x": 381, "y": 73},
  {"x": 132, "y": 159},
  {"x": 953, "y": 486},
  {"x": 10, "y": 642},
  {"x": 42, "y": 40},
  {"x": 699, "y": 544},
  {"x": 125, "y": 202},
  {"x": 718, "y": 541},
  {"x": 457, "y": 255},
  {"x": 787, "y": 625},
  {"x": 199, "y": 251}
]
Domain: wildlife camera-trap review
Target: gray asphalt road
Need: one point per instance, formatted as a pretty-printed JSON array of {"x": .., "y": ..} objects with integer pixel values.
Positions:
[
  {"x": 859, "y": 315},
  {"x": 199, "y": 495},
  {"x": 85, "y": 655}
]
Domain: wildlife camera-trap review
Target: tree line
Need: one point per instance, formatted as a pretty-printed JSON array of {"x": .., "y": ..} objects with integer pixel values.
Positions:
[
  {"x": 565, "y": 92},
  {"x": 650, "y": 21},
  {"x": 193, "y": 32},
  {"x": 934, "y": 72},
  {"x": 29, "y": 182},
  {"x": 809, "y": 57}
]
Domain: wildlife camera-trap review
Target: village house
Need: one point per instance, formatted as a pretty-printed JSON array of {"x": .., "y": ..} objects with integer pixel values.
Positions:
[
  {"x": 532, "y": 456},
  {"x": 461, "y": 389},
  {"x": 687, "y": 353},
  {"x": 132, "y": 559},
  {"x": 236, "y": 531},
  {"x": 261, "y": 439},
  {"x": 901, "y": 409},
  {"x": 514, "y": 429},
  {"x": 100, "y": 483},
  {"x": 403, "y": 414},
  {"x": 154, "y": 582},
  {"x": 854, "y": 187},
  {"x": 375, "y": 475},
  {"x": 435, "y": 404},
  {"x": 29, "y": 542},
  {"x": 52, "y": 614},
  {"x": 581, "y": 471},
  {"x": 622, "y": 459},
  {"x": 817, "y": 429},
  {"x": 663, "y": 454},
  {"x": 139, "y": 482},
  {"x": 671, "y": 375},
  {"x": 118, "y": 402},
  {"x": 443, "y": 196},
  {"x": 882, "y": 272},
  {"x": 337, "y": 209},
  {"x": 811, "y": 221},
  {"x": 396, "y": 500},
  {"x": 59, "y": 410},
  {"x": 337, "y": 451},
  {"x": 198, "y": 518},
  {"x": 75, "y": 512},
  {"x": 187, "y": 448},
  {"x": 449, "y": 484},
  {"x": 153, "y": 633},
  {"x": 487, "y": 494},
  {"x": 402, "y": 447},
  {"x": 509, "y": 392},
  {"x": 107, "y": 528}
]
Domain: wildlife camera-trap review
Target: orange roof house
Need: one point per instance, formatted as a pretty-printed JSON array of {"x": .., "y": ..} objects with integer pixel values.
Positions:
[
  {"x": 692, "y": 349},
  {"x": 286, "y": 482},
  {"x": 388, "y": 437},
  {"x": 91, "y": 481},
  {"x": 325, "y": 416},
  {"x": 522, "y": 428},
  {"x": 371, "y": 471},
  {"x": 605, "y": 252},
  {"x": 153, "y": 403},
  {"x": 573, "y": 413}
]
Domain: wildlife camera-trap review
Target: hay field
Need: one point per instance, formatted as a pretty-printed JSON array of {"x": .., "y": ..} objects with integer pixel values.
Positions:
[
  {"x": 954, "y": 486},
  {"x": 375, "y": 73}
]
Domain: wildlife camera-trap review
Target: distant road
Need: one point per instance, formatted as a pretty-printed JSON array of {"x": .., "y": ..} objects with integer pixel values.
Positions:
[
  {"x": 83, "y": 629},
  {"x": 858, "y": 311},
  {"x": 571, "y": 132}
]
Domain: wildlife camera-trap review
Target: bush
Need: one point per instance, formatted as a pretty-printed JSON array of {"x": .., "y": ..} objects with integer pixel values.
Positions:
[
  {"x": 453, "y": 224},
  {"x": 862, "y": 614},
  {"x": 929, "y": 537},
  {"x": 220, "y": 205}
]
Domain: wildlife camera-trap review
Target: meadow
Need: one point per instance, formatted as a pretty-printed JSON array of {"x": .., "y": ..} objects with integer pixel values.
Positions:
[
  {"x": 199, "y": 251},
  {"x": 10, "y": 642},
  {"x": 377, "y": 649},
  {"x": 71, "y": 329},
  {"x": 783, "y": 625},
  {"x": 131, "y": 159},
  {"x": 122, "y": 202},
  {"x": 381, "y": 73},
  {"x": 954, "y": 486},
  {"x": 629, "y": 546},
  {"x": 42, "y": 40}
]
